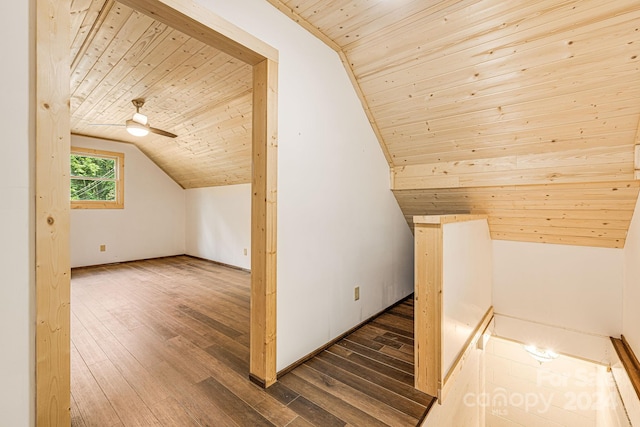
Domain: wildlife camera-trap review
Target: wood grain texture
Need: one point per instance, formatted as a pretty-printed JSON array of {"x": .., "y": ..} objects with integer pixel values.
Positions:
[
  {"x": 430, "y": 374},
  {"x": 446, "y": 219},
  {"x": 606, "y": 164},
  {"x": 202, "y": 79},
  {"x": 198, "y": 21},
  {"x": 629, "y": 361},
  {"x": 264, "y": 222},
  {"x": 52, "y": 273},
  {"x": 471, "y": 94},
  {"x": 53, "y": 130},
  {"x": 358, "y": 378},
  {"x": 428, "y": 308},
  {"x": 199, "y": 92},
  {"x": 293, "y": 14},
  {"x": 162, "y": 342},
  {"x": 590, "y": 214}
]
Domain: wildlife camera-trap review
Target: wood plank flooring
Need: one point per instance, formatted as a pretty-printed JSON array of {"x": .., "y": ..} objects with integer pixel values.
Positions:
[{"x": 165, "y": 342}]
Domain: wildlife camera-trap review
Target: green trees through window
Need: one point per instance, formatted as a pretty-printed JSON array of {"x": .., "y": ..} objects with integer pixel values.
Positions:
[
  {"x": 96, "y": 179},
  {"x": 93, "y": 178}
]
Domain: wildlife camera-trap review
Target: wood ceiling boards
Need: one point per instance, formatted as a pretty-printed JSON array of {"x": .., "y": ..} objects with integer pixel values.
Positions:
[
  {"x": 527, "y": 111},
  {"x": 191, "y": 89}
]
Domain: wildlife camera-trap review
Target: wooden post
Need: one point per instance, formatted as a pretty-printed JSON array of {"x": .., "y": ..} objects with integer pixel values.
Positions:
[
  {"x": 199, "y": 22},
  {"x": 263, "y": 223},
  {"x": 53, "y": 388},
  {"x": 429, "y": 313},
  {"x": 428, "y": 308},
  {"x": 53, "y": 393}
]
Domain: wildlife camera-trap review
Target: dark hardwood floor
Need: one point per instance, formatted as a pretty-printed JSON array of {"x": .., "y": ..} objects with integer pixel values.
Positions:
[{"x": 165, "y": 342}]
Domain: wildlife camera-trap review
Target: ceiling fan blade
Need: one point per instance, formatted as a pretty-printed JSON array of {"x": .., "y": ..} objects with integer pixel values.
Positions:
[
  {"x": 138, "y": 125},
  {"x": 162, "y": 132}
]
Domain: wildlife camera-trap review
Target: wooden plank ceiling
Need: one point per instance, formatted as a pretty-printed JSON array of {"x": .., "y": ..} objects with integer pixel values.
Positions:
[
  {"x": 526, "y": 111},
  {"x": 193, "y": 90}
]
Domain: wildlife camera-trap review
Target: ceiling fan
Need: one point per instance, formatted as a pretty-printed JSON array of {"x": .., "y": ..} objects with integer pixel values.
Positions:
[{"x": 138, "y": 125}]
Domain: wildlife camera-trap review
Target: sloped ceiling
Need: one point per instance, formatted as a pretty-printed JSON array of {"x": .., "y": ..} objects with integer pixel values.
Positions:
[
  {"x": 526, "y": 111},
  {"x": 195, "y": 91}
]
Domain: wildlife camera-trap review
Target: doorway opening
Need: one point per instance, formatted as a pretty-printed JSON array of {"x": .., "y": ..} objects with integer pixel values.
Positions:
[{"x": 52, "y": 190}]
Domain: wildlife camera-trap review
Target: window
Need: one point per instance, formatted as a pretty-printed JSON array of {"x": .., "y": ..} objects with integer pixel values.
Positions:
[{"x": 97, "y": 179}]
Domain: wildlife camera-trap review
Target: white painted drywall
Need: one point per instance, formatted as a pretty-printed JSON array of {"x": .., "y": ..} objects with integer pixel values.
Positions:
[
  {"x": 631, "y": 312},
  {"x": 564, "y": 392},
  {"x": 339, "y": 226},
  {"x": 466, "y": 283},
  {"x": 588, "y": 346},
  {"x": 218, "y": 224},
  {"x": 17, "y": 356},
  {"x": 571, "y": 287},
  {"x": 152, "y": 223},
  {"x": 463, "y": 405}
]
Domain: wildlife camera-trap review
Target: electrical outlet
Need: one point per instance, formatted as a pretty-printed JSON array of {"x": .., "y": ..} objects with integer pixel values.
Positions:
[
  {"x": 103, "y": 248},
  {"x": 245, "y": 251},
  {"x": 356, "y": 293}
]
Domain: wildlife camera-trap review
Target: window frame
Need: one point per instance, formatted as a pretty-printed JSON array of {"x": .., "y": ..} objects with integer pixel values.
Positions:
[{"x": 118, "y": 203}]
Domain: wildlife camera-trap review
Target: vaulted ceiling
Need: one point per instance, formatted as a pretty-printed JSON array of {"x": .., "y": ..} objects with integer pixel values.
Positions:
[
  {"x": 191, "y": 89},
  {"x": 526, "y": 111}
]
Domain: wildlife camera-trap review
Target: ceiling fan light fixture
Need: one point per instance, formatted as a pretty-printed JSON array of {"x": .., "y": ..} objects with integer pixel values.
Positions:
[
  {"x": 137, "y": 129},
  {"x": 138, "y": 125},
  {"x": 140, "y": 118},
  {"x": 541, "y": 355}
]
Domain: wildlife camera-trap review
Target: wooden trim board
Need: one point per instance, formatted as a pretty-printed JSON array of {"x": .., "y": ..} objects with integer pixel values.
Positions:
[
  {"x": 264, "y": 190},
  {"x": 429, "y": 315},
  {"x": 96, "y": 204},
  {"x": 629, "y": 361},
  {"x": 632, "y": 355},
  {"x": 304, "y": 24},
  {"x": 52, "y": 188},
  {"x": 508, "y": 172},
  {"x": 468, "y": 347},
  {"x": 347, "y": 66},
  {"x": 446, "y": 219},
  {"x": 340, "y": 337},
  {"x": 53, "y": 265},
  {"x": 202, "y": 24},
  {"x": 428, "y": 308},
  {"x": 235, "y": 267}
]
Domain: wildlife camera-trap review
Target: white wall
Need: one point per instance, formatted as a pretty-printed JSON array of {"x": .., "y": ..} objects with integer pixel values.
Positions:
[
  {"x": 219, "y": 224},
  {"x": 152, "y": 223},
  {"x": 339, "y": 226},
  {"x": 467, "y": 283},
  {"x": 594, "y": 347},
  {"x": 564, "y": 392},
  {"x": 631, "y": 320},
  {"x": 504, "y": 386},
  {"x": 463, "y": 405},
  {"x": 571, "y": 287},
  {"x": 17, "y": 360}
]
